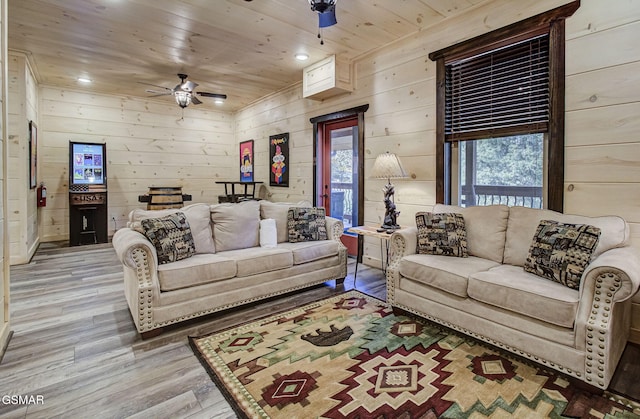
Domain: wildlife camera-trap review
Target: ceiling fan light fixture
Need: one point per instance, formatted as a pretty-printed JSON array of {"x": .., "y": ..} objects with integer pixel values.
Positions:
[
  {"x": 184, "y": 93},
  {"x": 326, "y": 10},
  {"x": 183, "y": 99}
]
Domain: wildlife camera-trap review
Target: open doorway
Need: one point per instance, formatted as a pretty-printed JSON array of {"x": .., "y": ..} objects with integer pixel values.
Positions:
[{"x": 339, "y": 167}]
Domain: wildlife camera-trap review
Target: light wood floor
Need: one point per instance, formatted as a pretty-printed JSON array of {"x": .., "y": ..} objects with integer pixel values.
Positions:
[{"x": 74, "y": 343}]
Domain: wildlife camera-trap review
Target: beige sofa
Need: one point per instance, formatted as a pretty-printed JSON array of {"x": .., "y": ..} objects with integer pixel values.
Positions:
[
  {"x": 230, "y": 267},
  {"x": 489, "y": 295}
]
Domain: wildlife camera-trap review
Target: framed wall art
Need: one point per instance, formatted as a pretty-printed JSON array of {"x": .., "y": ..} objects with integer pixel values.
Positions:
[
  {"x": 33, "y": 154},
  {"x": 279, "y": 160},
  {"x": 246, "y": 161}
]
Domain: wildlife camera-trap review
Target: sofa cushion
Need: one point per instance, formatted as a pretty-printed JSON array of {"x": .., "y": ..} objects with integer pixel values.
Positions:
[
  {"x": 305, "y": 252},
  {"x": 441, "y": 234},
  {"x": 486, "y": 228},
  {"x": 197, "y": 270},
  {"x": 279, "y": 212},
  {"x": 523, "y": 222},
  {"x": 443, "y": 272},
  {"x": 171, "y": 236},
  {"x": 561, "y": 252},
  {"x": 511, "y": 288},
  {"x": 258, "y": 260},
  {"x": 236, "y": 226},
  {"x": 197, "y": 216},
  {"x": 306, "y": 224}
]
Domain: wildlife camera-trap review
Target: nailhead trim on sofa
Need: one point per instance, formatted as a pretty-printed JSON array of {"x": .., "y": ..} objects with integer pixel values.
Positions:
[
  {"x": 598, "y": 328},
  {"x": 145, "y": 294},
  {"x": 607, "y": 284}
]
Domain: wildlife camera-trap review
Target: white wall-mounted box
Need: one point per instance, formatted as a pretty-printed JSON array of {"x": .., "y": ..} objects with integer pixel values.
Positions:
[{"x": 327, "y": 78}]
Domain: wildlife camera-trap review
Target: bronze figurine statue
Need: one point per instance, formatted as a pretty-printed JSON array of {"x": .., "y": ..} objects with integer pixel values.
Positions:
[{"x": 390, "y": 222}]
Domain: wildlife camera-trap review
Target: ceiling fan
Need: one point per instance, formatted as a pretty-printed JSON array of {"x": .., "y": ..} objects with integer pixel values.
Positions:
[{"x": 183, "y": 92}]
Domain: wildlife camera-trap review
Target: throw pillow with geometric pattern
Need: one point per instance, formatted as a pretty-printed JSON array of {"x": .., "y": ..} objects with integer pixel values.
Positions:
[
  {"x": 441, "y": 234},
  {"x": 306, "y": 224},
  {"x": 171, "y": 236},
  {"x": 561, "y": 252}
]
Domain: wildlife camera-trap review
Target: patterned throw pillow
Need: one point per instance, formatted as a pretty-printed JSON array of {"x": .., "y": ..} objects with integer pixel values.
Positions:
[
  {"x": 171, "y": 236},
  {"x": 561, "y": 252},
  {"x": 306, "y": 224},
  {"x": 441, "y": 234}
]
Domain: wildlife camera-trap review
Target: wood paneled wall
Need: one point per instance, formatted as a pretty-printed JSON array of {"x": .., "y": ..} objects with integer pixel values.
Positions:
[
  {"x": 5, "y": 329},
  {"x": 149, "y": 143},
  {"x": 23, "y": 107},
  {"x": 603, "y": 111},
  {"x": 398, "y": 81},
  {"x": 602, "y": 169}
]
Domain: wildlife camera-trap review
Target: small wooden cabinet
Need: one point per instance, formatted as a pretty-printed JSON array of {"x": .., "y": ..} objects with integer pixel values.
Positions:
[
  {"x": 87, "y": 218},
  {"x": 327, "y": 78}
]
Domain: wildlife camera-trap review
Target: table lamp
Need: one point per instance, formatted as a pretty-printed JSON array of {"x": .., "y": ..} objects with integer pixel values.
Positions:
[{"x": 388, "y": 166}]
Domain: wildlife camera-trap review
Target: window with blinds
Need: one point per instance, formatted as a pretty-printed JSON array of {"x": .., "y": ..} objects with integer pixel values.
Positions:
[{"x": 501, "y": 92}]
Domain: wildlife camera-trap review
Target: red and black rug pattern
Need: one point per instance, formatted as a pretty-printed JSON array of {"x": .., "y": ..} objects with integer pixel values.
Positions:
[{"x": 350, "y": 356}]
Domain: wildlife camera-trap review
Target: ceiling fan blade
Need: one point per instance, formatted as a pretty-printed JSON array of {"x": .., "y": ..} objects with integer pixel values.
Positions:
[
  {"x": 184, "y": 87},
  {"x": 168, "y": 92},
  {"x": 160, "y": 94},
  {"x": 216, "y": 95},
  {"x": 155, "y": 85}
]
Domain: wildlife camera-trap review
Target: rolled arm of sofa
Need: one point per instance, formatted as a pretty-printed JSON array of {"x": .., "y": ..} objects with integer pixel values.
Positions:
[
  {"x": 125, "y": 240},
  {"x": 335, "y": 228},
  {"x": 603, "y": 320},
  {"x": 141, "y": 284},
  {"x": 401, "y": 243},
  {"x": 619, "y": 268}
]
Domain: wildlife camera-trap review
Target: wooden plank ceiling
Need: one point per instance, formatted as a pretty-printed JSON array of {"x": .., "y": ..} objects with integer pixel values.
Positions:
[{"x": 244, "y": 49}]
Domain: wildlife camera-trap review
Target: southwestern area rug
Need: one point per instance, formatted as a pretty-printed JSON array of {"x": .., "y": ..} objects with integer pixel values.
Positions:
[{"x": 350, "y": 356}]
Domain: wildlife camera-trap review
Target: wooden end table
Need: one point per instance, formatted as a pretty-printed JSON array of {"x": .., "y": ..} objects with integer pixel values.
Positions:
[{"x": 384, "y": 237}]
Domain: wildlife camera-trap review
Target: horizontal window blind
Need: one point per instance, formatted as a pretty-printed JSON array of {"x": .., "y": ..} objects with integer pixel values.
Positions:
[{"x": 501, "y": 92}]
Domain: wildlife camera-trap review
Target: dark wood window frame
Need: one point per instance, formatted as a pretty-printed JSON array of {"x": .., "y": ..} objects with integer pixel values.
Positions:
[{"x": 552, "y": 22}]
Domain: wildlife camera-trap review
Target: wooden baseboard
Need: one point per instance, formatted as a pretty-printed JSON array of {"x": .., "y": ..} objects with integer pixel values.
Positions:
[
  {"x": 5, "y": 338},
  {"x": 151, "y": 333}
]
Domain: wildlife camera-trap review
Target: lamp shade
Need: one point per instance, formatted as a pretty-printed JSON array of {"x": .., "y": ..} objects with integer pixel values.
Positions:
[{"x": 388, "y": 166}]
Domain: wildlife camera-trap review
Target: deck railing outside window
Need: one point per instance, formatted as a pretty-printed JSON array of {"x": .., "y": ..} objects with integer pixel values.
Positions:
[
  {"x": 342, "y": 202},
  {"x": 525, "y": 196}
]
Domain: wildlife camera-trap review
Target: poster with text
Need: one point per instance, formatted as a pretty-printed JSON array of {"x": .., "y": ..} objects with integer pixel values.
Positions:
[
  {"x": 246, "y": 161},
  {"x": 279, "y": 160}
]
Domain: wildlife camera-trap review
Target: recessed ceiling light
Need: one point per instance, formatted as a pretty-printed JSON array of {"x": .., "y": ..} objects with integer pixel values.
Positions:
[
  {"x": 218, "y": 101},
  {"x": 302, "y": 57},
  {"x": 84, "y": 80}
]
